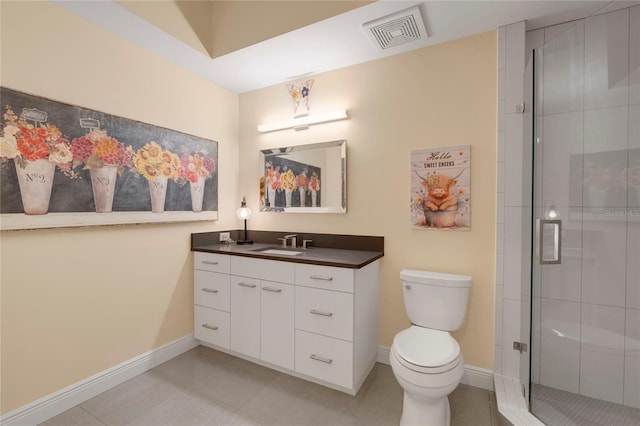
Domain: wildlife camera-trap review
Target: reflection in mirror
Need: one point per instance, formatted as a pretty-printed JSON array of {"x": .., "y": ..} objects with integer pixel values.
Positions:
[{"x": 305, "y": 178}]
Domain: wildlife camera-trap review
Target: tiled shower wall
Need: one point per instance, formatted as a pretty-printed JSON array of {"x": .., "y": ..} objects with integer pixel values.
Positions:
[
  {"x": 513, "y": 200},
  {"x": 598, "y": 305}
]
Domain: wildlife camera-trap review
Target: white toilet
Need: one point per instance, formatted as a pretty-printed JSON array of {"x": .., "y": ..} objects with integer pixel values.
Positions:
[{"x": 425, "y": 359}]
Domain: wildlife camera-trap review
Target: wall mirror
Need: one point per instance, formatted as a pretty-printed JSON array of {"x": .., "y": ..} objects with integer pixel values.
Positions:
[{"x": 304, "y": 178}]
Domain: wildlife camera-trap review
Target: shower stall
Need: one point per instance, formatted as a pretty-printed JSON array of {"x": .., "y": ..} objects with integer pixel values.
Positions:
[{"x": 584, "y": 355}]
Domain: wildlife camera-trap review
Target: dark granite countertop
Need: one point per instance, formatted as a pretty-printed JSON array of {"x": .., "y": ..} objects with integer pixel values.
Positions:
[
  {"x": 315, "y": 255},
  {"x": 343, "y": 251}
]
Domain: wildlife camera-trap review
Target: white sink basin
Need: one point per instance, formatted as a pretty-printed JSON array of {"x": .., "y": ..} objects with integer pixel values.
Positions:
[{"x": 281, "y": 252}]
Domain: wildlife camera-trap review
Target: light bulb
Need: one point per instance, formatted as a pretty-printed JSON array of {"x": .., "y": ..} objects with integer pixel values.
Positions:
[{"x": 243, "y": 212}]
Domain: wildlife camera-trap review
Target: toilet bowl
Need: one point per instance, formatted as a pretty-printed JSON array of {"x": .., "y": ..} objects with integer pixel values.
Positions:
[
  {"x": 427, "y": 361},
  {"x": 428, "y": 369}
]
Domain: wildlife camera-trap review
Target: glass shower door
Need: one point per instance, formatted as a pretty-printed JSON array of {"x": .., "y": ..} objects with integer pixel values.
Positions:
[{"x": 585, "y": 354}]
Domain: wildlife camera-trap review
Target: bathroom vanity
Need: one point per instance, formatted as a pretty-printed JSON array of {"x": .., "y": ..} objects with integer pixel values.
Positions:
[{"x": 310, "y": 313}]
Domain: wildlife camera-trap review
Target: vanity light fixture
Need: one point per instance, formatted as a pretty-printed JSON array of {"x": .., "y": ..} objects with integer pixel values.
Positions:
[
  {"x": 243, "y": 213},
  {"x": 303, "y": 122}
]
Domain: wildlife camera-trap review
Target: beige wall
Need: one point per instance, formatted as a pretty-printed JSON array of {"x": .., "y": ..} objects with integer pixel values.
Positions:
[
  {"x": 438, "y": 96},
  {"x": 78, "y": 301}
]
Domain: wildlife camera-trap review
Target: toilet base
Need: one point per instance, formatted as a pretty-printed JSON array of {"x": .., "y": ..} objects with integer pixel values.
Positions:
[{"x": 425, "y": 412}]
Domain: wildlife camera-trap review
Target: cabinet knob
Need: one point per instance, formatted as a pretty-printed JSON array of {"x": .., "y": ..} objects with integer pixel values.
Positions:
[
  {"x": 209, "y": 262},
  {"x": 209, "y": 290},
  {"x": 247, "y": 285},
  {"x": 273, "y": 290}
]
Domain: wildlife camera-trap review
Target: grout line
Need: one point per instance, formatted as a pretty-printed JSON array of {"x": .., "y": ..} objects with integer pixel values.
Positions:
[{"x": 91, "y": 414}]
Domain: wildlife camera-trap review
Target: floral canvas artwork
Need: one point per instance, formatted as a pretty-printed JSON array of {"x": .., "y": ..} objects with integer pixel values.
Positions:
[
  {"x": 64, "y": 165},
  {"x": 441, "y": 188}
]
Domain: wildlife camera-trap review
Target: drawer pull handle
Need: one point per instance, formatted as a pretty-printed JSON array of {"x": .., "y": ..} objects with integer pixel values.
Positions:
[
  {"x": 273, "y": 290},
  {"x": 247, "y": 285},
  {"x": 209, "y": 290},
  {"x": 209, "y": 262},
  {"x": 210, "y": 327},
  {"x": 320, "y": 277},
  {"x": 324, "y": 314},
  {"x": 321, "y": 359}
]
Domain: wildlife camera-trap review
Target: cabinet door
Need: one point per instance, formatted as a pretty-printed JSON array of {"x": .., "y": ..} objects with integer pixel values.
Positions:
[
  {"x": 211, "y": 289},
  {"x": 276, "y": 322},
  {"x": 245, "y": 316}
]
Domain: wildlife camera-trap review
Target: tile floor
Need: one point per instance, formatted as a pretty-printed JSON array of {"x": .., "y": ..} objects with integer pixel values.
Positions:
[
  {"x": 557, "y": 407},
  {"x": 208, "y": 387}
]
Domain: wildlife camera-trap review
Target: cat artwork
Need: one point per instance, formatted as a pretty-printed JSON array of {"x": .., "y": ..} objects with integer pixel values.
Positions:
[{"x": 300, "y": 94}]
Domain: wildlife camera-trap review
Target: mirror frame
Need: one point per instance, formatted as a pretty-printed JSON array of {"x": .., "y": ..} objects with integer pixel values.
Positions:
[{"x": 337, "y": 183}]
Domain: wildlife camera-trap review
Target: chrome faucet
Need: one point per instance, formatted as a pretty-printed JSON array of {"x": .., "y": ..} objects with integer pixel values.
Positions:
[{"x": 292, "y": 237}]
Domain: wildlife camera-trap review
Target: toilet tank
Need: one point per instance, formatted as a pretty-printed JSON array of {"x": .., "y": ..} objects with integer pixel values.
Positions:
[{"x": 434, "y": 299}]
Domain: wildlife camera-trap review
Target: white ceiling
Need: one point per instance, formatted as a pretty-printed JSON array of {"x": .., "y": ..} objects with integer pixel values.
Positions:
[{"x": 333, "y": 43}]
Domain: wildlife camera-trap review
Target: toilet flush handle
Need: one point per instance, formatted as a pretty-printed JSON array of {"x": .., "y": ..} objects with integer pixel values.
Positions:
[{"x": 407, "y": 286}]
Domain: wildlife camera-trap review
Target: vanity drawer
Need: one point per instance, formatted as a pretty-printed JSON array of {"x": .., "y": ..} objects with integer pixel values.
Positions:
[
  {"x": 263, "y": 269},
  {"x": 211, "y": 326},
  {"x": 324, "y": 358},
  {"x": 211, "y": 290},
  {"x": 329, "y": 313},
  {"x": 325, "y": 277},
  {"x": 212, "y": 262}
]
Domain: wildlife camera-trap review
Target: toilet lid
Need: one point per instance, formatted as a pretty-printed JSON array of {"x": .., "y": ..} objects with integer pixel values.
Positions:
[{"x": 425, "y": 347}]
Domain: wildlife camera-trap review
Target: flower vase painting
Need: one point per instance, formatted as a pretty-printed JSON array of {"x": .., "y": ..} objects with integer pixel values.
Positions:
[
  {"x": 196, "y": 168},
  {"x": 441, "y": 188},
  {"x": 63, "y": 165},
  {"x": 157, "y": 165},
  {"x": 36, "y": 148},
  {"x": 105, "y": 158}
]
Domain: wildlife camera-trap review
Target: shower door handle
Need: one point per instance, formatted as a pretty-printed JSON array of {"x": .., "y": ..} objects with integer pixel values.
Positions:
[{"x": 545, "y": 229}]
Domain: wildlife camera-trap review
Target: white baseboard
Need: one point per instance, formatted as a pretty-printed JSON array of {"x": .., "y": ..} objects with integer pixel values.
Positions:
[
  {"x": 478, "y": 377},
  {"x": 383, "y": 355},
  {"x": 64, "y": 399},
  {"x": 473, "y": 376}
]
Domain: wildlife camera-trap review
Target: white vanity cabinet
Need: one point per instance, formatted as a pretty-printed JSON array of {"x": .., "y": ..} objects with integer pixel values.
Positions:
[
  {"x": 336, "y": 323},
  {"x": 312, "y": 321},
  {"x": 212, "y": 299}
]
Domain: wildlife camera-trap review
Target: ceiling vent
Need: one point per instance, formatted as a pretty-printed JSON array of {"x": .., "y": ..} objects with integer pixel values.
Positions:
[{"x": 396, "y": 29}]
